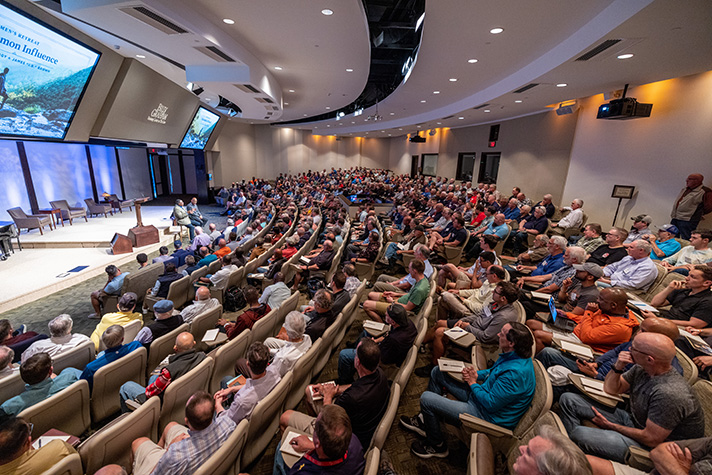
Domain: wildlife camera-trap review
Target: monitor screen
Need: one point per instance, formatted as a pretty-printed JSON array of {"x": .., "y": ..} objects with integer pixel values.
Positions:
[
  {"x": 43, "y": 74},
  {"x": 200, "y": 129}
]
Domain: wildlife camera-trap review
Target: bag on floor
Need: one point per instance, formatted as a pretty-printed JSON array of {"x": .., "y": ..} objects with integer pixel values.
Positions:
[{"x": 234, "y": 299}]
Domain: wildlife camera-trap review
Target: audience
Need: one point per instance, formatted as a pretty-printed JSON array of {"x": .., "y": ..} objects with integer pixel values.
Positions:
[
  {"x": 377, "y": 303},
  {"x": 124, "y": 316},
  {"x": 274, "y": 295},
  {"x": 113, "y": 286},
  {"x": 17, "y": 456},
  {"x": 203, "y": 302},
  {"x": 60, "y": 339},
  {"x": 247, "y": 318},
  {"x": 113, "y": 339}
]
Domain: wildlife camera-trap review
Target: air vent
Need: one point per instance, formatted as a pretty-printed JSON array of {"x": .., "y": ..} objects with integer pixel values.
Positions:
[
  {"x": 247, "y": 88},
  {"x": 526, "y": 88},
  {"x": 480, "y": 107},
  {"x": 275, "y": 108},
  {"x": 267, "y": 99},
  {"x": 597, "y": 50},
  {"x": 214, "y": 53},
  {"x": 260, "y": 99},
  {"x": 448, "y": 117},
  {"x": 154, "y": 20}
]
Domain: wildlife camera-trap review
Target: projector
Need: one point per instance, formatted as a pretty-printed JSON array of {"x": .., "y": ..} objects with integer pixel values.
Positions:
[
  {"x": 417, "y": 139},
  {"x": 623, "y": 109}
]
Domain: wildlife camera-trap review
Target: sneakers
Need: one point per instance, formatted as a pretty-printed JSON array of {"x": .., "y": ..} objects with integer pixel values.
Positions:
[
  {"x": 424, "y": 371},
  {"x": 414, "y": 424},
  {"x": 422, "y": 349},
  {"x": 21, "y": 329},
  {"x": 94, "y": 316},
  {"x": 425, "y": 451}
]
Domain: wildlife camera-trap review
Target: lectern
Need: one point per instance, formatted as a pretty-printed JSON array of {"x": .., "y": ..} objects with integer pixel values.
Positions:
[
  {"x": 120, "y": 244},
  {"x": 142, "y": 235}
]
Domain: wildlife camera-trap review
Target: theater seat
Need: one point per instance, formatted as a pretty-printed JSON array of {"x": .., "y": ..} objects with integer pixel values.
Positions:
[
  {"x": 162, "y": 347},
  {"x": 177, "y": 293},
  {"x": 384, "y": 427},
  {"x": 373, "y": 459},
  {"x": 69, "y": 465},
  {"x": 548, "y": 418},
  {"x": 68, "y": 411},
  {"x": 481, "y": 459},
  {"x": 205, "y": 321},
  {"x": 131, "y": 329},
  {"x": 179, "y": 391},
  {"x": 302, "y": 375},
  {"x": 264, "y": 421},
  {"x": 326, "y": 340},
  {"x": 108, "y": 379},
  {"x": 225, "y": 358},
  {"x": 11, "y": 386},
  {"x": 264, "y": 327},
  {"x": 78, "y": 357},
  {"x": 226, "y": 461},
  {"x": 112, "y": 443}
]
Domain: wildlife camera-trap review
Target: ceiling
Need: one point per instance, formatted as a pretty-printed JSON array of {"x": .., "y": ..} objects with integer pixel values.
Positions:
[{"x": 325, "y": 60}]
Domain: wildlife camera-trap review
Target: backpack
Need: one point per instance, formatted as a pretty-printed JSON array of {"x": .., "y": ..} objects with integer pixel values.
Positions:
[
  {"x": 314, "y": 284},
  {"x": 234, "y": 299}
]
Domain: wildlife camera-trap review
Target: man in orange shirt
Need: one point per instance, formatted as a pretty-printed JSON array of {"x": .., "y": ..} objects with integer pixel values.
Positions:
[
  {"x": 223, "y": 250},
  {"x": 603, "y": 326}
]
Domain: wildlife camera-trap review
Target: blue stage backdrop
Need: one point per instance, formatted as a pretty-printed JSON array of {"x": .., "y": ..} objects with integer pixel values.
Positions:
[
  {"x": 12, "y": 183},
  {"x": 59, "y": 172},
  {"x": 106, "y": 172}
]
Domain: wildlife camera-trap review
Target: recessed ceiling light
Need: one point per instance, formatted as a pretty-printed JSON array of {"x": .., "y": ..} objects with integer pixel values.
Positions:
[
  {"x": 625, "y": 56},
  {"x": 460, "y": 118},
  {"x": 353, "y": 122},
  {"x": 439, "y": 123},
  {"x": 278, "y": 68},
  {"x": 349, "y": 70},
  {"x": 383, "y": 131},
  {"x": 389, "y": 135},
  {"x": 228, "y": 21},
  {"x": 400, "y": 128},
  {"x": 453, "y": 79},
  {"x": 286, "y": 103},
  {"x": 487, "y": 110},
  {"x": 291, "y": 90},
  {"x": 518, "y": 101},
  {"x": 419, "y": 126},
  {"x": 496, "y": 31},
  {"x": 328, "y": 108},
  {"x": 328, "y": 125},
  {"x": 436, "y": 92},
  {"x": 562, "y": 84},
  {"x": 327, "y": 12},
  {"x": 423, "y": 101},
  {"x": 392, "y": 113},
  {"x": 141, "y": 56},
  {"x": 472, "y": 61}
]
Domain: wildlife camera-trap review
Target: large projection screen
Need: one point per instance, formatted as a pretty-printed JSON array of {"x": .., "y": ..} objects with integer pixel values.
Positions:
[{"x": 43, "y": 75}]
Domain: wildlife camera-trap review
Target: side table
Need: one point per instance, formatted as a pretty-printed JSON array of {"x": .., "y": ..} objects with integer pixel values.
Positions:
[{"x": 55, "y": 214}]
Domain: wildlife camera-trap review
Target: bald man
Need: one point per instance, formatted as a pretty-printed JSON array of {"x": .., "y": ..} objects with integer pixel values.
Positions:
[
  {"x": 176, "y": 365},
  {"x": 693, "y": 202},
  {"x": 603, "y": 325},
  {"x": 559, "y": 365},
  {"x": 663, "y": 407}
]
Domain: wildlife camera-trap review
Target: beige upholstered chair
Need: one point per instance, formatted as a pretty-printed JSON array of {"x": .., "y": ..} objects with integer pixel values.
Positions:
[
  {"x": 225, "y": 358},
  {"x": 179, "y": 391},
  {"x": 264, "y": 327},
  {"x": 95, "y": 208},
  {"x": 286, "y": 307},
  {"x": 326, "y": 341},
  {"x": 162, "y": 347},
  {"x": 384, "y": 427},
  {"x": 108, "y": 379},
  {"x": 11, "y": 386},
  {"x": 67, "y": 410},
  {"x": 453, "y": 254},
  {"x": 226, "y": 460},
  {"x": 214, "y": 266},
  {"x": 30, "y": 221},
  {"x": 197, "y": 274},
  {"x": 204, "y": 322},
  {"x": 373, "y": 459},
  {"x": 69, "y": 212},
  {"x": 689, "y": 369},
  {"x": 112, "y": 443},
  {"x": 481, "y": 459},
  {"x": 500, "y": 244},
  {"x": 265, "y": 420},
  {"x": 116, "y": 203},
  {"x": 406, "y": 369},
  {"x": 137, "y": 282},
  {"x": 177, "y": 293},
  {"x": 131, "y": 329},
  {"x": 78, "y": 357},
  {"x": 69, "y": 465},
  {"x": 548, "y": 418},
  {"x": 302, "y": 374}
]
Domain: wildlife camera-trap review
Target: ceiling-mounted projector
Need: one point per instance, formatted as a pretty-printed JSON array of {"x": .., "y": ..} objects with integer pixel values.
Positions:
[
  {"x": 417, "y": 139},
  {"x": 624, "y": 108}
]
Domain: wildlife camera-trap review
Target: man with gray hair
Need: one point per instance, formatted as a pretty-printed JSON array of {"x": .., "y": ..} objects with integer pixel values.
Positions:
[
  {"x": 572, "y": 220},
  {"x": 113, "y": 339},
  {"x": 551, "y": 453},
  {"x": 322, "y": 316},
  {"x": 551, "y": 263},
  {"x": 290, "y": 344},
  {"x": 636, "y": 271},
  {"x": 6, "y": 357},
  {"x": 202, "y": 303},
  {"x": 60, "y": 338},
  {"x": 200, "y": 240}
]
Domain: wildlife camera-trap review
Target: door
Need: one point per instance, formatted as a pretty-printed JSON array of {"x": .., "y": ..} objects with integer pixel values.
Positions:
[
  {"x": 465, "y": 166},
  {"x": 489, "y": 168}
]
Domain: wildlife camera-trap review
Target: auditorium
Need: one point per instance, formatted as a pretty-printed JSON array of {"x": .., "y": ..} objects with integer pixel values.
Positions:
[{"x": 367, "y": 236}]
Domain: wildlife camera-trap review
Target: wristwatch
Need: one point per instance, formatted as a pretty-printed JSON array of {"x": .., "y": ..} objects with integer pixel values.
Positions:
[{"x": 618, "y": 371}]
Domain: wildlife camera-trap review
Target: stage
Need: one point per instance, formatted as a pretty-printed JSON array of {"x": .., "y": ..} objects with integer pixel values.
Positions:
[{"x": 43, "y": 266}]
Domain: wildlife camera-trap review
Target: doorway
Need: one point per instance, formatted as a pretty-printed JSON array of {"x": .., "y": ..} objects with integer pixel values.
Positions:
[
  {"x": 465, "y": 166},
  {"x": 489, "y": 168}
]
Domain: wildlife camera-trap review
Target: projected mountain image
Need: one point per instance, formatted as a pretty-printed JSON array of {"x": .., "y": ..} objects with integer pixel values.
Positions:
[
  {"x": 41, "y": 110},
  {"x": 200, "y": 129}
]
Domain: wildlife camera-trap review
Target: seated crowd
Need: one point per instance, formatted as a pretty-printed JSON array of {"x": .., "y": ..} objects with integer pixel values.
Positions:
[{"x": 628, "y": 308}]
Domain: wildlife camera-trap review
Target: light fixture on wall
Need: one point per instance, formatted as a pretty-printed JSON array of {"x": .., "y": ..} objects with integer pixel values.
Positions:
[
  {"x": 374, "y": 117},
  {"x": 432, "y": 132}
]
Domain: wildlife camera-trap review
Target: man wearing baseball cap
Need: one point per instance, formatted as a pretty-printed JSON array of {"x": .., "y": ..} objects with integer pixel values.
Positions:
[
  {"x": 639, "y": 228},
  {"x": 665, "y": 245},
  {"x": 165, "y": 323},
  {"x": 577, "y": 293},
  {"x": 394, "y": 345},
  {"x": 124, "y": 316}
]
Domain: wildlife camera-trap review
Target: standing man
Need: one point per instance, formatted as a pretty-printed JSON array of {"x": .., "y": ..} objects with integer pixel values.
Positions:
[{"x": 694, "y": 201}]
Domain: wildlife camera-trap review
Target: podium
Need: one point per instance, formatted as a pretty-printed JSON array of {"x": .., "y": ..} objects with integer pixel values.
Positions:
[
  {"x": 141, "y": 235},
  {"x": 120, "y": 244}
]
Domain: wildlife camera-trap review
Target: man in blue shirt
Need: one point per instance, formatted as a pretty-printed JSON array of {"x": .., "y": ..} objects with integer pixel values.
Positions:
[
  {"x": 498, "y": 227},
  {"x": 500, "y": 395},
  {"x": 112, "y": 338},
  {"x": 113, "y": 287},
  {"x": 665, "y": 245},
  {"x": 37, "y": 374},
  {"x": 550, "y": 264}
]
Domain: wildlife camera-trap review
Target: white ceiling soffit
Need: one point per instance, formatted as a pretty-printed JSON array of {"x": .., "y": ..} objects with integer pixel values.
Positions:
[{"x": 194, "y": 35}]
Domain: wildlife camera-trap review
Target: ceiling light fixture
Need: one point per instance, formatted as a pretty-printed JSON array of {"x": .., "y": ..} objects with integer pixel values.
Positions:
[
  {"x": 518, "y": 101},
  {"x": 349, "y": 70},
  {"x": 472, "y": 61},
  {"x": 374, "y": 117},
  {"x": 436, "y": 92},
  {"x": 291, "y": 90},
  {"x": 327, "y": 12},
  {"x": 140, "y": 56},
  {"x": 460, "y": 118},
  {"x": 286, "y": 103},
  {"x": 278, "y": 68},
  {"x": 497, "y": 30},
  {"x": 423, "y": 101},
  {"x": 453, "y": 79},
  {"x": 563, "y": 84},
  {"x": 487, "y": 110},
  {"x": 392, "y": 113},
  {"x": 228, "y": 21},
  {"x": 439, "y": 123},
  {"x": 625, "y": 56}
]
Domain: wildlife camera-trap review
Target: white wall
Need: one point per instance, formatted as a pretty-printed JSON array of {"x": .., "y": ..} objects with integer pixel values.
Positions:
[{"x": 655, "y": 154}]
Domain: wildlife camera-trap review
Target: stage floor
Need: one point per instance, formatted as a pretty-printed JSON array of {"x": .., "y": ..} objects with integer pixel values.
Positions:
[{"x": 43, "y": 266}]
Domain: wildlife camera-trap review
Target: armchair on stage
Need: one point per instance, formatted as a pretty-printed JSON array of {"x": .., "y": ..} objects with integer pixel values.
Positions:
[
  {"x": 31, "y": 221},
  {"x": 116, "y": 203},
  {"x": 69, "y": 212},
  {"x": 95, "y": 208}
]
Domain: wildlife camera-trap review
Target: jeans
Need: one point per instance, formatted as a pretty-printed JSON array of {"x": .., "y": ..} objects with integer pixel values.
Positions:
[
  {"x": 552, "y": 357},
  {"x": 608, "y": 444},
  {"x": 279, "y": 467},
  {"x": 685, "y": 227},
  {"x": 435, "y": 407},
  {"x": 346, "y": 366},
  {"x": 191, "y": 230},
  {"x": 391, "y": 250},
  {"x": 130, "y": 390}
]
